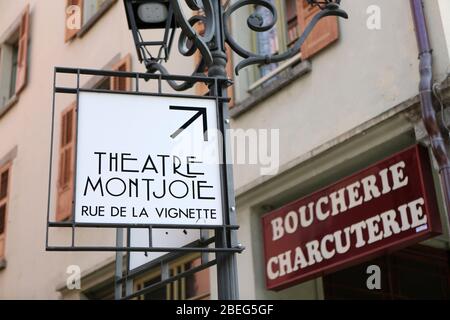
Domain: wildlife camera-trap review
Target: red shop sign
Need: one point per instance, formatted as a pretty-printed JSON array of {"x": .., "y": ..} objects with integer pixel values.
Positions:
[{"x": 387, "y": 206}]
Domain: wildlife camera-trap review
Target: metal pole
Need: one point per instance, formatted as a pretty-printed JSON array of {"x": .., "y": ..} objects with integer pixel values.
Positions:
[
  {"x": 119, "y": 265},
  {"x": 227, "y": 280},
  {"x": 437, "y": 141},
  {"x": 129, "y": 281}
]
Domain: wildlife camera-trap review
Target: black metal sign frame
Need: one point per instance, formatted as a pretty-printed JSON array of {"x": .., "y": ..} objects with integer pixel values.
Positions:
[{"x": 204, "y": 244}]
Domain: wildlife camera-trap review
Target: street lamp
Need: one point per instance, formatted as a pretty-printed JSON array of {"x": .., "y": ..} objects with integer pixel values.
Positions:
[
  {"x": 169, "y": 15},
  {"x": 215, "y": 16},
  {"x": 154, "y": 14}
]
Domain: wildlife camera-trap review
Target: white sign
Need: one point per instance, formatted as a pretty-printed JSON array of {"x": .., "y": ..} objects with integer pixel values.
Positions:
[{"x": 147, "y": 160}]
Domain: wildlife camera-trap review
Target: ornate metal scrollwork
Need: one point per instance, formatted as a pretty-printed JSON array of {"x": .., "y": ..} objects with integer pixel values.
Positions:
[
  {"x": 190, "y": 40},
  {"x": 256, "y": 23}
]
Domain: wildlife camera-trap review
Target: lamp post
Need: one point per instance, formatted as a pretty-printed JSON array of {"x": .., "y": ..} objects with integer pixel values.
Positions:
[{"x": 215, "y": 15}]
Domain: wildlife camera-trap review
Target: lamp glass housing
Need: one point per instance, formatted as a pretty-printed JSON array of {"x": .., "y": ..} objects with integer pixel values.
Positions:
[{"x": 152, "y": 12}]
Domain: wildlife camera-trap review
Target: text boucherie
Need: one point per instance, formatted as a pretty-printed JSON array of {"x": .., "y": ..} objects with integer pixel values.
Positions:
[{"x": 383, "y": 225}]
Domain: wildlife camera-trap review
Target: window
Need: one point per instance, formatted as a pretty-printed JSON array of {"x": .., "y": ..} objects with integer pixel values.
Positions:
[
  {"x": 103, "y": 291},
  {"x": 121, "y": 84},
  {"x": 159, "y": 294},
  {"x": 5, "y": 177},
  {"x": 418, "y": 272},
  {"x": 12, "y": 83},
  {"x": 65, "y": 188},
  {"x": 294, "y": 17},
  {"x": 193, "y": 287},
  {"x": 90, "y": 8},
  {"x": 267, "y": 42},
  {"x": 82, "y": 14},
  {"x": 104, "y": 84},
  {"x": 14, "y": 60},
  {"x": 291, "y": 21},
  {"x": 66, "y": 164},
  {"x": 116, "y": 83}
]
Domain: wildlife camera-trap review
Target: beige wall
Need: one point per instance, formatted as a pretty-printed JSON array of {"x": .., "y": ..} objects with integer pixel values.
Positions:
[
  {"x": 362, "y": 77},
  {"x": 366, "y": 73},
  {"x": 353, "y": 108},
  {"x": 32, "y": 272},
  {"x": 444, "y": 9}
]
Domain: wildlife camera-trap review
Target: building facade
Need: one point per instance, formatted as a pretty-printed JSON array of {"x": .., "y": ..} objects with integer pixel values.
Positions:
[
  {"x": 349, "y": 105},
  {"x": 349, "y": 100}
]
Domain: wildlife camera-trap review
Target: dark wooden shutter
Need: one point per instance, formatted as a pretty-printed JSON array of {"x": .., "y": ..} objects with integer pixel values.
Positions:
[
  {"x": 22, "y": 59},
  {"x": 66, "y": 164},
  {"x": 5, "y": 177},
  {"x": 70, "y": 33},
  {"x": 121, "y": 83},
  {"x": 325, "y": 33},
  {"x": 230, "y": 74}
]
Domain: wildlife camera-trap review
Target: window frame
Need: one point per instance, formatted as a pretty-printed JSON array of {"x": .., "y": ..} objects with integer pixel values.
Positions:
[
  {"x": 252, "y": 88},
  {"x": 17, "y": 35},
  {"x": 281, "y": 33},
  {"x": 124, "y": 64},
  {"x": 71, "y": 35},
  {"x": 62, "y": 213},
  {"x": 14, "y": 68},
  {"x": 64, "y": 189},
  {"x": 6, "y": 66},
  {"x": 286, "y": 22},
  {"x": 155, "y": 272}
]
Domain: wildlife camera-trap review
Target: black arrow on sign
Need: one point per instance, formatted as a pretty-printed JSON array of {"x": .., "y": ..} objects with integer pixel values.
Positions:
[{"x": 200, "y": 112}]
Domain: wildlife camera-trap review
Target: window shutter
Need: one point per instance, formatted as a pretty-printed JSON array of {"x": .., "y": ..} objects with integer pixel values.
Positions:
[
  {"x": 22, "y": 59},
  {"x": 325, "y": 32},
  {"x": 72, "y": 21},
  {"x": 2, "y": 229},
  {"x": 201, "y": 88},
  {"x": 230, "y": 74},
  {"x": 66, "y": 164},
  {"x": 120, "y": 83},
  {"x": 5, "y": 177}
]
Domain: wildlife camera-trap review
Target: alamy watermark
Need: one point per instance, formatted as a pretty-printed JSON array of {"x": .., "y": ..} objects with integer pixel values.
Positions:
[
  {"x": 73, "y": 21},
  {"x": 73, "y": 281},
  {"x": 374, "y": 280},
  {"x": 259, "y": 147},
  {"x": 374, "y": 17}
]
